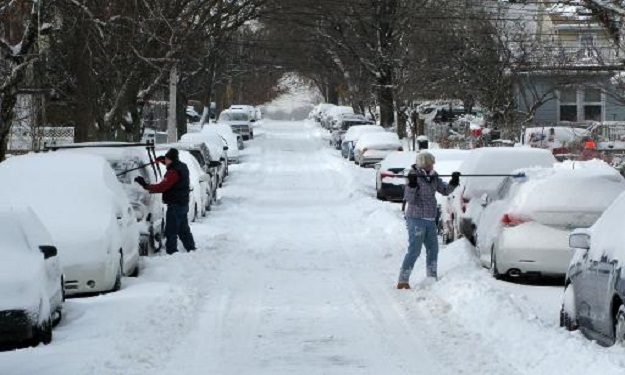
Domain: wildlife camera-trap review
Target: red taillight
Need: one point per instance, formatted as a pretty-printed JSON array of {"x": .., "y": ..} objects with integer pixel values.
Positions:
[
  {"x": 512, "y": 220},
  {"x": 387, "y": 174}
]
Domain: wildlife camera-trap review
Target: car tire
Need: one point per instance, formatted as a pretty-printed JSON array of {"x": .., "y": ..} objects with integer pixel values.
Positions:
[
  {"x": 493, "y": 264},
  {"x": 566, "y": 320},
  {"x": 145, "y": 243},
  {"x": 619, "y": 326},
  {"x": 42, "y": 333},
  {"x": 118, "y": 277}
]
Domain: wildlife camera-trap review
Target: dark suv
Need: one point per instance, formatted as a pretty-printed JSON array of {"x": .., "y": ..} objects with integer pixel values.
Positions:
[{"x": 595, "y": 283}]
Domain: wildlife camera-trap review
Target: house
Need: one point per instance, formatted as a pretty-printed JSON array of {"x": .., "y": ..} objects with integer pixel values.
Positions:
[{"x": 571, "y": 78}]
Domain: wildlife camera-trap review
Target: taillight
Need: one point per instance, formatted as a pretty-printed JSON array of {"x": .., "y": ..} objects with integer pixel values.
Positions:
[
  {"x": 387, "y": 174},
  {"x": 512, "y": 220}
]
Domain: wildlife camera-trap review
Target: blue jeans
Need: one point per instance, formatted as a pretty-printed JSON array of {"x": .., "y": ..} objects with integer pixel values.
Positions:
[
  {"x": 420, "y": 232},
  {"x": 177, "y": 225}
]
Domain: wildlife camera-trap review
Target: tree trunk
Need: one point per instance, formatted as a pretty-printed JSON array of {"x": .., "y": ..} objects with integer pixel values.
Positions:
[
  {"x": 7, "y": 114},
  {"x": 385, "y": 97}
]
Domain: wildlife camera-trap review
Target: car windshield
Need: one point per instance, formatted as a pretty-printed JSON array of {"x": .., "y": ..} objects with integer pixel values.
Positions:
[{"x": 234, "y": 116}]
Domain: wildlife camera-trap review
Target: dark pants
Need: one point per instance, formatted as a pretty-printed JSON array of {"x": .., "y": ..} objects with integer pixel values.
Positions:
[{"x": 177, "y": 225}]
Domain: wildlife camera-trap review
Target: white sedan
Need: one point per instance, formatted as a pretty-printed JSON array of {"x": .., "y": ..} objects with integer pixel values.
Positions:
[
  {"x": 82, "y": 204},
  {"x": 525, "y": 225},
  {"x": 31, "y": 281}
]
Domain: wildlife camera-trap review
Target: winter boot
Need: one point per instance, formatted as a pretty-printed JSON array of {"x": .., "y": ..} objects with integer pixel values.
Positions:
[{"x": 403, "y": 286}]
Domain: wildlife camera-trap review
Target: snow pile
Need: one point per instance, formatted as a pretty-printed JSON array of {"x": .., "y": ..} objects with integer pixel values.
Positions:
[
  {"x": 379, "y": 141},
  {"x": 355, "y": 132},
  {"x": 499, "y": 161},
  {"x": 567, "y": 197}
]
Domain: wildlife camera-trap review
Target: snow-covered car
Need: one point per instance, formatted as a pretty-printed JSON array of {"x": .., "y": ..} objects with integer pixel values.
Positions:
[
  {"x": 217, "y": 147},
  {"x": 352, "y": 136},
  {"x": 202, "y": 154},
  {"x": 199, "y": 184},
  {"x": 374, "y": 147},
  {"x": 86, "y": 211},
  {"x": 525, "y": 225},
  {"x": 128, "y": 164},
  {"x": 240, "y": 122},
  {"x": 333, "y": 114},
  {"x": 463, "y": 209},
  {"x": 342, "y": 126},
  {"x": 594, "y": 294},
  {"x": 318, "y": 113},
  {"x": 31, "y": 281},
  {"x": 390, "y": 179},
  {"x": 232, "y": 142}
]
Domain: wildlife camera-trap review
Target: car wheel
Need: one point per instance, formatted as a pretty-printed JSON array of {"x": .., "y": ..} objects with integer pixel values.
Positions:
[
  {"x": 43, "y": 333},
  {"x": 145, "y": 243},
  {"x": 120, "y": 270},
  {"x": 568, "y": 318},
  {"x": 619, "y": 326},
  {"x": 493, "y": 264}
]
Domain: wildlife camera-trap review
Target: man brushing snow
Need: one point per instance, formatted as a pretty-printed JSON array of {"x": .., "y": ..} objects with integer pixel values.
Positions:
[
  {"x": 421, "y": 210},
  {"x": 175, "y": 188}
]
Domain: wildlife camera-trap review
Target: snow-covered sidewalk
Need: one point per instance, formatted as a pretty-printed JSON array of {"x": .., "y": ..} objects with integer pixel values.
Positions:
[{"x": 295, "y": 275}]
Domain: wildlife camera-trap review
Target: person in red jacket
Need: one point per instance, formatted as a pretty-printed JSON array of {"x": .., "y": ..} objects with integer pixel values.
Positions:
[{"x": 175, "y": 188}]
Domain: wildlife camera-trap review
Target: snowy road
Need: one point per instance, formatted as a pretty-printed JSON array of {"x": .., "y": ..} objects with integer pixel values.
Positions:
[{"x": 295, "y": 275}]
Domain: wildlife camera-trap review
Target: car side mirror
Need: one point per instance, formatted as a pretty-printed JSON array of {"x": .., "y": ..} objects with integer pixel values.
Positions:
[
  {"x": 214, "y": 164},
  {"x": 579, "y": 241},
  {"x": 48, "y": 251},
  {"x": 225, "y": 148}
]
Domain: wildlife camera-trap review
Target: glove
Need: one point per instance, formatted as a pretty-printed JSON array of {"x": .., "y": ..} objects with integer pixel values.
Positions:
[
  {"x": 412, "y": 180},
  {"x": 455, "y": 179},
  {"x": 160, "y": 159},
  {"x": 141, "y": 181}
]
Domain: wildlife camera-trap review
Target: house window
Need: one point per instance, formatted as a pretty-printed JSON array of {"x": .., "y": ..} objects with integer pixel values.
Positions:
[
  {"x": 593, "y": 105},
  {"x": 587, "y": 44},
  {"x": 581, "y": 105},
  {"x": 568, "y": 106}
]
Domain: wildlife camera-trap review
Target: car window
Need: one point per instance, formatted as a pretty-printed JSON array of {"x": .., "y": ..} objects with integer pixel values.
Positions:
[
  {"x": 198, "y": 156},
  {"x": 504, "y": 188}
]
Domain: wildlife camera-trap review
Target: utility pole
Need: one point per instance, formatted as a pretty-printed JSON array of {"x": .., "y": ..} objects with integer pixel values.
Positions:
[{"x": 172, "y": 131}]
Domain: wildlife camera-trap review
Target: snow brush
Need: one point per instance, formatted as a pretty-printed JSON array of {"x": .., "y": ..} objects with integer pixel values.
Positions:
[{"x": 517, "y": 175}]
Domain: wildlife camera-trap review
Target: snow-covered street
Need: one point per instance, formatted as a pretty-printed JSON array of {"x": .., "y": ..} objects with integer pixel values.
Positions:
[{"x": 295, "y": 274}]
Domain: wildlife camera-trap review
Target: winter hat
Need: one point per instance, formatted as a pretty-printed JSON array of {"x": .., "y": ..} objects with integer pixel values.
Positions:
[{"x": 172, "y": 154}]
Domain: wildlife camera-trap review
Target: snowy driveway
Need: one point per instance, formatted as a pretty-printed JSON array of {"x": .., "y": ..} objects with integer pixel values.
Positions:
[{"x": 295, "y": 275}]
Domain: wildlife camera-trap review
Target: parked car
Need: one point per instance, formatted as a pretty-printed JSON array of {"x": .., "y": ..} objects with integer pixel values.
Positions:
[
  {"x": 342, "y": 125},
  {"x": 332, "y": 115},
  {"x": 390, "y": 180},
  {"x": 353, "y": 134},
  {"x": 543, "y": 206},
  {"x": 463, "y": 208},
  {"x": 86, "y": 211},
  {"x": 218, "y": 147},
  {"x": 240, "y": 122},
  {"x": 255, "y": 113},
  {"x": 129, "y": 163},
  {"x": 319, "y": 112},
  {"x": 31, "y": 281},
  {"x": 198, "y": 197},
  {"x": 374, "y": 147},
  {"x": 232, "y": 141},
  {"x": 594, "y": 295}
]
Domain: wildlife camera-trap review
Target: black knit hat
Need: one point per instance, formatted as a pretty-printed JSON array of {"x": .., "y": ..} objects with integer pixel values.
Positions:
[{"x": 172, "y": 154}]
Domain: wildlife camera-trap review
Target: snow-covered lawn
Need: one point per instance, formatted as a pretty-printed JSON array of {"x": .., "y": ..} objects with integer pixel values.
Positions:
[{"x": 295, "y": 274}]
